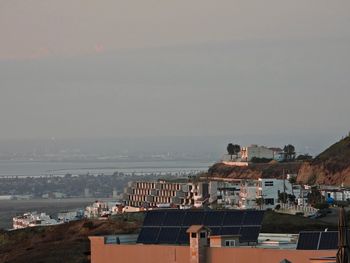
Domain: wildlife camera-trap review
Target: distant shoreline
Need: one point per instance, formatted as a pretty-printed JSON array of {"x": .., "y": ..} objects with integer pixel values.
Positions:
[{"x": 11, "y": 208}]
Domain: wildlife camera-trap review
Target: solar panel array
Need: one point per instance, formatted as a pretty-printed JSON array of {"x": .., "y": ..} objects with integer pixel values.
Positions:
[
  {"x": 170, "y": 226},
  {"x": 318, "y": 240}
]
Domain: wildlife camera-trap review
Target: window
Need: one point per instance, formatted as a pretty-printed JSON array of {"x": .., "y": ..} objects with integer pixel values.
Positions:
[
  {"x": 269, "y": 201},
  {"x": 193, "y": 235},
  {"x": 202, "y": 235},
  {"x": 269, "y": 183},
  {"x": 230, "y": 243}
]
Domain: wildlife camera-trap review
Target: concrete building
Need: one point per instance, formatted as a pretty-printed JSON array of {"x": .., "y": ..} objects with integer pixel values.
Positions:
[
  {"x": 155, "y": 194},
  {"x": 248, "y": 194},
  {"x": 228, "y": 193},
  {"x": 267, "y": 190},
  {"x": 337, "y": 193},
  {"x": 249, "y": 152},
  {"x": 203, "y": 248}
]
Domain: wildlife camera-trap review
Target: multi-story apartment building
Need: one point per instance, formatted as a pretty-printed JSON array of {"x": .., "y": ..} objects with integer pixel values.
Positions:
[
  {"x": 228, "y": 193},
  {"x": 248, "y": 194},
  {"x": 264, "y": 193},
  {"x": 155, "y": 194}
]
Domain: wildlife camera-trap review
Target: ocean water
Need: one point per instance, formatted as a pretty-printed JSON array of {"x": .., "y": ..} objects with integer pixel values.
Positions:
[
  {"x": 33, "y": 168},
  {"x": 11, "y": 208}
]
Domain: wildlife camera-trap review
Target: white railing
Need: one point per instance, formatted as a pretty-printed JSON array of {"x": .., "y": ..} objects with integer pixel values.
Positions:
[{"x": 291, "y": 208}]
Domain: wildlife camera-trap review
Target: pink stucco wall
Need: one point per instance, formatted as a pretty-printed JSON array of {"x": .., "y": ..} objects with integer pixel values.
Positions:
[{"x": 102, "y": 253}]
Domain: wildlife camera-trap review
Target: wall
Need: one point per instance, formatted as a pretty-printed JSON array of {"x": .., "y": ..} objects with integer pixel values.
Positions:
[
  {"x": 260, "y": 255},
  {"x": 101, "y": 253}
]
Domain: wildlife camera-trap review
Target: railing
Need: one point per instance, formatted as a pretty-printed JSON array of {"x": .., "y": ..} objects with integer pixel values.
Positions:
[{"x": 307, "y": 210}]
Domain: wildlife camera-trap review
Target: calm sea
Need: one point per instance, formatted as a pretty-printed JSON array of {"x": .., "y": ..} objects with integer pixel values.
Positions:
[
  {"x": 28, "y": 168},
  {"x": 10, "y": 208}
]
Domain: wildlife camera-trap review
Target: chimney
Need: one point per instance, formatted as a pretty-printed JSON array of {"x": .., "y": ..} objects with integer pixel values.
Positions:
[{"x": 198, "y": 243}]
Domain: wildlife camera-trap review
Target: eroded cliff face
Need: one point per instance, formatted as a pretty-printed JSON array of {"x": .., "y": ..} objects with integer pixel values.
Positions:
[
  {"x": 254, "y": 171},
  {"x": 319, "y": 174},
  {"x": 331, "y": 167}
]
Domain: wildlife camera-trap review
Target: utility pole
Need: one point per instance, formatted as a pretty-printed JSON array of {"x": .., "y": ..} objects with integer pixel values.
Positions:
[{"x": 284, "y": 187}]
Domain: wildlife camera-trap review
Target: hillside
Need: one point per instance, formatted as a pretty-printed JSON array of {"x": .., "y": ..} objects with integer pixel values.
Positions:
[
  {"x": 331, "y": 167},
  {"x": 67, "y": 243},
  {"x": 254, "y": 171}
]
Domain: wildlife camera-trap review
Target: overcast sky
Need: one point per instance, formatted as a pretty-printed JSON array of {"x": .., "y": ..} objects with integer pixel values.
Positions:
[{"x": 89, "y": 68}]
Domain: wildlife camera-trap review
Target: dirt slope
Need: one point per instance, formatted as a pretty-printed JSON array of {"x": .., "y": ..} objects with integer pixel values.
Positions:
[{"x": 331, "y": 167}]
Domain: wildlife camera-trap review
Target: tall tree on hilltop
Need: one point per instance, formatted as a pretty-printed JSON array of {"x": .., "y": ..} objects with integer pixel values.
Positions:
[
  {"x": 289, "y": 151},
  {"x": 233, "y": 149}
]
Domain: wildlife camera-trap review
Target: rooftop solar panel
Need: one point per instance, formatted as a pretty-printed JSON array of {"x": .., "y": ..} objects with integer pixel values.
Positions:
[
  {"x": 329, "y": 240},
  {"x": 193, "y": 218},
  {"x": 183, "y": 237},
  {"x": 168, "y": 235},
  {"x": 154, "y": 218},
  {"x": 169, "y": 226},
  {"x": 249, "y": 234},
  {"x": 231, "y": 230},
  {"x": 173, "y": 218},
  {"x": 214, "y": 218},
  {"x": 215, "y": 231},
  {"x": 148, "y": 235},
  {"x": 233, "y": 217},
  {"x": 308, "y": 240},
  {"x": 253, "y": 217}
]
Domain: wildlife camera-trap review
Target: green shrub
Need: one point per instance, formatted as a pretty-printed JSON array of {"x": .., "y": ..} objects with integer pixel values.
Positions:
[{"x": 321, "y": 205}]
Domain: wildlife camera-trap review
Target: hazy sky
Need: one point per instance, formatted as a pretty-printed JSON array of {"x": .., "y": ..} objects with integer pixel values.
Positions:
[{"x": 93, "y": 68}]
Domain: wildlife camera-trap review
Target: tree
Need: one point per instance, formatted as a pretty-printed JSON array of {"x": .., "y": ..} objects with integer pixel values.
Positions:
[
  {"x": 282, "y": 197},
  {"x": 233, "y": 149},
  {"x": 292, "y": 180},
  {"x": 259, "y": 202},
  {"x": 315, "y": 197},
  {"x": 289, "y": 152}
]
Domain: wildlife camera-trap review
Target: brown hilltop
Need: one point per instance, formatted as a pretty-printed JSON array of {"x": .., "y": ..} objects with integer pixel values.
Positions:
[
  {"x": 331, "y": 167},
  {"x": 67, "y": 243},
  {"x": 254, "y": 171}
]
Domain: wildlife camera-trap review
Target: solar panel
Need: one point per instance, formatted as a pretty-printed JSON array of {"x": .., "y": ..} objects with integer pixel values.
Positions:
[
  {"x": 170, "y": 226},
  {"x": 329, "y": 240},
  {"x": 168, "y": 235},
  {"x": 214, "y": 218},
  {"x": 233, "y": 217},
  {"x": 155, "y": 218},
  {"x": 231, "y": 230},
  {"x": 215, "y": 231},
  {"x": 249, "y": 234},
  {"x": 173, "y": 218},
  {"x": 253, "y": 217},
  {"x": 148, "y": 235},
  {"x": 308, "y": 240},
  {"x": 183, "y": 236},
  {"x": 193, "y": 218}
]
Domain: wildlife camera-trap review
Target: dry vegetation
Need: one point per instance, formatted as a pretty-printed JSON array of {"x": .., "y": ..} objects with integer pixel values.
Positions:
[
  {"x": 67, "y": 243},
  {"x": 331, "y": 167},
  {"x": 254, "y": 171}
]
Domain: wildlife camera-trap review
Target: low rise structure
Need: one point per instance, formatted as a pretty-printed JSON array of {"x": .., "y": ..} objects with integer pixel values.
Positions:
[
  {"x": 255, "y": 151},
  {"x": 178, "y": 194},
  {"x": 264, "y": 193},
  {"x": 203, "y": 248},
  {"x": 33, "y": 219}
]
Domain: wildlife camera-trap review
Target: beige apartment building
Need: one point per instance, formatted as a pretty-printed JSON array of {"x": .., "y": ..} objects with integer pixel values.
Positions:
[{"x": 165, "y": 193}]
